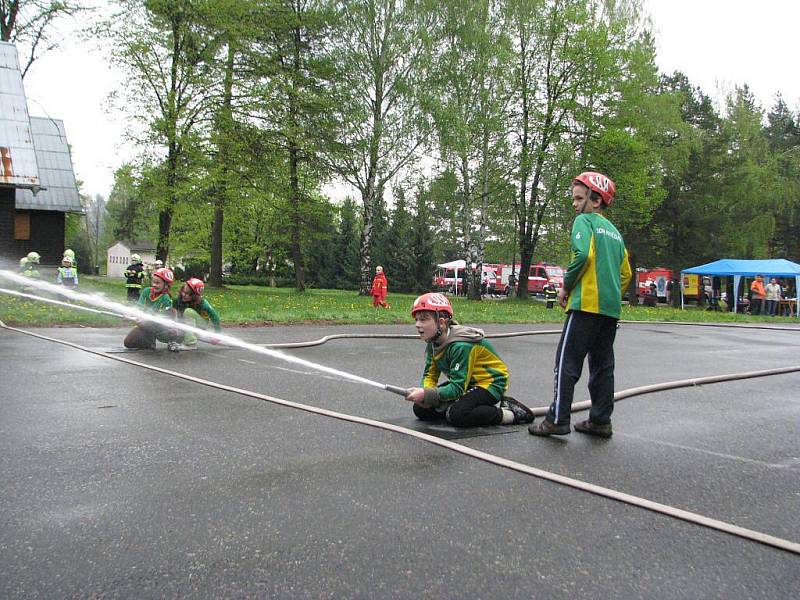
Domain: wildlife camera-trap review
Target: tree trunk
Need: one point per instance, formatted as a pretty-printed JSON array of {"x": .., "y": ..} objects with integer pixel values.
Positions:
[
  {"x": 165, "y": 215},
  {"x": 224, "y": 157},
  {"x": 370, "y": 196},
  {"x": 294, "y": 180}
]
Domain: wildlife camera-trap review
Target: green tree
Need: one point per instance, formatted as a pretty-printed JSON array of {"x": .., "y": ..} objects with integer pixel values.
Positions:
[
  {"x": 291, "y": 68},
  {"x": 468, "y": 92},
  {"x": 398, "y": 246},
  {"x": 127, "y": 210},
  {"x": 422, "y": 257},
  {"x": 348, "y": 272},
  {"x": 166, "y": 50},
  {"x": 747, "y": 185},
  {"x": 690, "y": 217},
  {"x": 380, "y": 64},
  {"x": 783, "y": 137}
]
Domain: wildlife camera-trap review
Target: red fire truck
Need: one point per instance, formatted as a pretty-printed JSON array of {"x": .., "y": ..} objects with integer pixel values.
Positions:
[{"x": 539, "y": 275}]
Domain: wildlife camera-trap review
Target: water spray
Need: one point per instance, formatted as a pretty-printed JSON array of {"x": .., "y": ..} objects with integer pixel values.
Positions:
[
  {"x": 60, "y": 303},
  {"x": 135, "y": 314}
]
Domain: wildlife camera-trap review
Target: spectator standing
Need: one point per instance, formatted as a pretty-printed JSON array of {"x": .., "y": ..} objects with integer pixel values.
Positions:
[
  {"x": 28, "y": 267},
  {"x": 380, "y": 288},
  {"x": 134, "y": 276},
  {"x": 757, "y": 295},
  {"x": 67, "y": 274},
  {"x": 550, "y": 294},
  {"x": 773, "y": 296}
]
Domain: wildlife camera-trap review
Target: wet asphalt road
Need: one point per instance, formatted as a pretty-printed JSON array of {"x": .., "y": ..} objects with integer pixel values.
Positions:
[{"x": 120, "y": 482}]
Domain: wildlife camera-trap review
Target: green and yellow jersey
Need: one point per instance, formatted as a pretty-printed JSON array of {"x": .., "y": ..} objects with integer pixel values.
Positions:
[
  {"x": 468, "y": 360},
  {"x": 161, "y": 304},
  {"x": 599, "y": 271}
]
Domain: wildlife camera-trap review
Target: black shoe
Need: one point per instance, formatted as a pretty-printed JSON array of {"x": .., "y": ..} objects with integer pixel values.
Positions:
[
  {"x": 603, "y": 431},
  {"x": 548, "y": 428},
  {"x": 522, "y": 414}
]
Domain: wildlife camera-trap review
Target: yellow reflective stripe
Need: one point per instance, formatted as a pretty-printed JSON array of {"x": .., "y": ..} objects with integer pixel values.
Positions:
[{"x": 590, "y": 294}]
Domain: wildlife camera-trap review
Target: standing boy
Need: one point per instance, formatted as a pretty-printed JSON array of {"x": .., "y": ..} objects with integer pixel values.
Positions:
[
  {"x": 380, "y": 288},
  {"x": 594, "y": 283},
  {"x": 473, "y": 395}
]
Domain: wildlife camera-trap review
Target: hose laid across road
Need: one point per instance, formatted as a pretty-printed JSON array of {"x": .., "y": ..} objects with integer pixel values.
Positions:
[{"x": 670, "y": 511}]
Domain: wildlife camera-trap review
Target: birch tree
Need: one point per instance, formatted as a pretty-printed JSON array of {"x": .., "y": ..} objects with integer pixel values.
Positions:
[{"x": 380, "y": 61}]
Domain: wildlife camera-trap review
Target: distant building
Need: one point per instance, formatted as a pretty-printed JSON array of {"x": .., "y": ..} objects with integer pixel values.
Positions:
[
  {"x": 37, "y": 182},
  {"x": 119, "y": 256}
]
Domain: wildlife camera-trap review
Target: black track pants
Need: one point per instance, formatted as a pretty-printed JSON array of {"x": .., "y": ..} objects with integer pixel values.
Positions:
[
  {"x": 585, "y": 334},
  {"x": 476, "y": 408}
]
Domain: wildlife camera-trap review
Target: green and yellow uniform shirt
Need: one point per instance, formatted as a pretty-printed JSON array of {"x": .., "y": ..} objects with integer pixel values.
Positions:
[
  {"x": 161, "y": 305},
  {"x": 204, "y": 309},
  {"x": 467, "y": 360},
  {"x": 599, "y": 270}
]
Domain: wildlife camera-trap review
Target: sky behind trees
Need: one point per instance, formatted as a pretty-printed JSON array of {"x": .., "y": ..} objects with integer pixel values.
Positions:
[{"x": 717, "y": 43}]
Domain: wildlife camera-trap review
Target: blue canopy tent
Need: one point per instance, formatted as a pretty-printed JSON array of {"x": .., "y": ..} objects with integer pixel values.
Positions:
[{"x": 731, "y": 267}]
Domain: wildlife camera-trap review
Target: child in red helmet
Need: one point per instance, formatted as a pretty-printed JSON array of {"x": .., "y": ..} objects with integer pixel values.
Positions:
[
  {"x": 191, "y": 305},
  {"x": 595, "y": 280},
  {"x": 380, "y": 288},
  {"x": 154, "y": 299},
  {"x": 477, "y": 379}
]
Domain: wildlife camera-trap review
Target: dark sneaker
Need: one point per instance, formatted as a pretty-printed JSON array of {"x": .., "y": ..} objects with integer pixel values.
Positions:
[
  {"x": 522, "y": 414},
  {"x": 548, "y": 428},
  {"x": 603, "y": 431}
]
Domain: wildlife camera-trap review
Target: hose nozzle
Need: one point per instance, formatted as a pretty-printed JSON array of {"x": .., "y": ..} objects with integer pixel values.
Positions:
[{"x": 396, "y": 390}]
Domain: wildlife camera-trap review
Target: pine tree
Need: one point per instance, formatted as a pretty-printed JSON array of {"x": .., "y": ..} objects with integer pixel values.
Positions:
[
  {"x": 422, "y": 247},
  {"x": 347, "y": 274},
  {"x": 398, "y": 265}
]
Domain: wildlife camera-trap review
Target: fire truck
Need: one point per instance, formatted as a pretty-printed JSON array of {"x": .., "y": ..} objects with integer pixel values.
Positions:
[{"x": 539, "y": 274}]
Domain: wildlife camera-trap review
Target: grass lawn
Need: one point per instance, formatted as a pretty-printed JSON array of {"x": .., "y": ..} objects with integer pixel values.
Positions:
[{"x": 253, "y": 305}]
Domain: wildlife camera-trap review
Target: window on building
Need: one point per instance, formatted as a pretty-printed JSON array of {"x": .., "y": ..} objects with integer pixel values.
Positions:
[{"x": 22, "y": 226}]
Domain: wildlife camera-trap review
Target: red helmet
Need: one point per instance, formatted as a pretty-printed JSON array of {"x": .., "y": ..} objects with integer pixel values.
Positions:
[
  {"x": 196, "y": 285},
  {"x": 165, "y": 275},
  {"x": 433, "y": 302},
  {"x": 597, "y": 182}
]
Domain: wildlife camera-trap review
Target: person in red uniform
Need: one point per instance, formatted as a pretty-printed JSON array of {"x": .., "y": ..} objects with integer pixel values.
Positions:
[{"x": 379, "y": 288}]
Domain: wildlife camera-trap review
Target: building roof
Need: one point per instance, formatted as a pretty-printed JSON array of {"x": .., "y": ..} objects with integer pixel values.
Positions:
[
  {"x": 18, "y": 166},
  {"x": 136, "y": 246},
  {"x": 57, "y": 179}
]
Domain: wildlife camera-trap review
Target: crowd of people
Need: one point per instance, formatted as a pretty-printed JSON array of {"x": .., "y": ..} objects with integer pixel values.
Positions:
[{"x": 766, "y": 299}]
